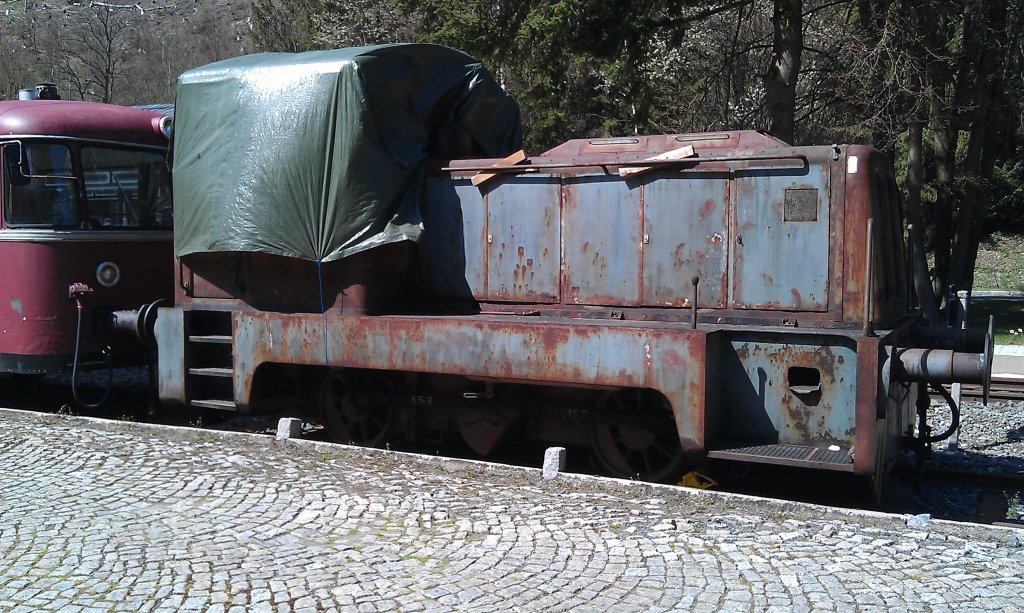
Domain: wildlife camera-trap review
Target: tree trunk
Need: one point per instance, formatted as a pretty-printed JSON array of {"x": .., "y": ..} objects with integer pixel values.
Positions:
[
  {"x": 987, "y": 90},
  {"x": 919, "y": 263},
  {"x": 781, "y": 77},
  {"x": 945, "y": 140},
  {"x": 939, "y": 87},
  {"x": 873, "y": 18}
]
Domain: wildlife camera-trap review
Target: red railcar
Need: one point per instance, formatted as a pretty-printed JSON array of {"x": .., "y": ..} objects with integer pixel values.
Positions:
[{"x": 86, "y": 202}]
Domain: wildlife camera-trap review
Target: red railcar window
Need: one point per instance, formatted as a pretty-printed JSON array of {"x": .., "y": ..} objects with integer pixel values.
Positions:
[
  {"x": 126, "y": 188},
  {"x": 49, "y": 199}
]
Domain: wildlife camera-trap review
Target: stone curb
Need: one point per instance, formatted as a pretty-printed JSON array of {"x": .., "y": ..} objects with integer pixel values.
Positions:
[{"x": 707, "y": 501}]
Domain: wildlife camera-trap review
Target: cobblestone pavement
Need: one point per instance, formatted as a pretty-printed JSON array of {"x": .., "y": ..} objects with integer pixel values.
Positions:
[{"x": 115, "y": 516}]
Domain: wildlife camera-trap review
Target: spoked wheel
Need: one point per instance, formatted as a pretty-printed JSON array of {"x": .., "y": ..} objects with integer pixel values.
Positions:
[
  {"x": 351, "y": 416},
  {"x": 637, "y": 438}
]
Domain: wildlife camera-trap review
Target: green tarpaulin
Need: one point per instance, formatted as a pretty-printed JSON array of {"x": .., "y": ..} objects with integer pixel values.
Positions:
[{"x": 320, "y": 155}]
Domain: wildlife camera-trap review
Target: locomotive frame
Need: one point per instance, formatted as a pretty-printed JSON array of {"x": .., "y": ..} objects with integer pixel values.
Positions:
[{"x": 747, "y": 303}]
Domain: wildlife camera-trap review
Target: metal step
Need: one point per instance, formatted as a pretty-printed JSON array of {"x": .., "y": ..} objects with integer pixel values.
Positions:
[
  {"x": 223, "y": 405},
  {"x": 211, "y": 372},
  {"x": 211, "y": 338},
  {"x": 789, "y": 455}
]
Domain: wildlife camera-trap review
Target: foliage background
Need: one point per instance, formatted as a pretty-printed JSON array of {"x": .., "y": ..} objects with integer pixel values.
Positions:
[{"x": 938, "y": 87}]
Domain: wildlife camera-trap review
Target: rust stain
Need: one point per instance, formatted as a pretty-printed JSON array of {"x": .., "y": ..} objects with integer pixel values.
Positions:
[
  {"x": 678, "y": 258},
  {"x": 706, "y": 209}
]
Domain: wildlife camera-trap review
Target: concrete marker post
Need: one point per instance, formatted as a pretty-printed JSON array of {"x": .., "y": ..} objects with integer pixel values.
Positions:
[
  {"x": 289, "y": 427},
  {"x": 554, "y": 461}
]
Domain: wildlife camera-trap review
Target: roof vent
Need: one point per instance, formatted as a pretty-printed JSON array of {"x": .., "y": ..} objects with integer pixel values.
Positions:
[
  {"x": 43, "y": 91},
  {"x": 47, "y": 91}
]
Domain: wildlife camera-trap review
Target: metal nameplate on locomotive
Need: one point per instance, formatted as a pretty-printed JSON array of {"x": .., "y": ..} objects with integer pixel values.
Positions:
[{"x": 801, "y": 205}]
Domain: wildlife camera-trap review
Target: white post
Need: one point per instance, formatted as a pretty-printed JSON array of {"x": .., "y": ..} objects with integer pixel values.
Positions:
[{"x": 962, "y": 299}]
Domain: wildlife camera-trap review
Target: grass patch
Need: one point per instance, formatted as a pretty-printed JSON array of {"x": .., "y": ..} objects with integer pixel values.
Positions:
[
  {"x": 1009, "y": 319},
  {"x": 1000, "y": 263}
]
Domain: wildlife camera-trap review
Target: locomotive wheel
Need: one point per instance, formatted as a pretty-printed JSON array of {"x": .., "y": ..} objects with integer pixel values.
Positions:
[
  {"x": 643, "y": 442},
  {"x": 350, "y": 416}
]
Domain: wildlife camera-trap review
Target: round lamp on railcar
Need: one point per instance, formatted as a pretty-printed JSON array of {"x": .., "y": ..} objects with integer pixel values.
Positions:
[
  {"x": 108, "y": 274},
  {"x": 166, "y": 126}
]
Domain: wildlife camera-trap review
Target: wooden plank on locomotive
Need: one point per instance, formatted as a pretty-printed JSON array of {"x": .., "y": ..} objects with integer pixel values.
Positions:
[
  {"x": 482, "y": 177},
  {"x": 683, "y": 152}
]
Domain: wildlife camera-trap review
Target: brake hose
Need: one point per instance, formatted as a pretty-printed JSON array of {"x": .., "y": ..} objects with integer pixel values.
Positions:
[
  {"x": 74, "y": 369},
  {"x": 954, "y": 421}
]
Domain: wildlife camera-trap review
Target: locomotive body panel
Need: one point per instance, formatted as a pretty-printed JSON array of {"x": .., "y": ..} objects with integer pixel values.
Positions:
[
  {"x": 780, "y": 218},
  {"x": 788, "y": 389},
  {"x": 741, "y": 221},
  {"x": 686, "y": 232},
  {"x": 499, "y": 348}
]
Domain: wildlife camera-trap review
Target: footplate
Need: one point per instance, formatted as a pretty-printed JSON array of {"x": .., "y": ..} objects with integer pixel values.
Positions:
[{"x": 789, "y": 455}]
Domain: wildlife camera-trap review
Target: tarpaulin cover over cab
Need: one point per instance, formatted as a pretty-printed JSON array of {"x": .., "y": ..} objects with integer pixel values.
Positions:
[{"x": 320, "y": 155}]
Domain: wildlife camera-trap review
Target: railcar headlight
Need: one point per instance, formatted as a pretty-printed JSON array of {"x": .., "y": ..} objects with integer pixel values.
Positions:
[
  {"x": 108, "y": 274},
  {"x": 166, "y": 126}
]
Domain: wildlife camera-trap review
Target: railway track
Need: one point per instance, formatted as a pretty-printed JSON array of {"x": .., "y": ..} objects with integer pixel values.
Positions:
[{"x": 1004, "y": 387}]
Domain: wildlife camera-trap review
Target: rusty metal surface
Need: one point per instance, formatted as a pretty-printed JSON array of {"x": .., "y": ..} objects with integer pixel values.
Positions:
[
  {"x": 867, "y": 176},
  {"x": 523, "y": 240},
  {"x": 939, "y": 366},
  {"x": 871, "y": 400},
  {"x": 761, "y": 223},
  {"x": 454, "y": 240},
  {"x": 376, "y": 280},
  {"x": 788, "y": 389},
  {"x": 664, "y": 358},
  {"x": 601, "y": 220},
  {"x": 170, "y": 339},
  {"x": 790, "y": 455},
  {"x": 686, "y": 220},
  {"x": 781, "y": 264}
]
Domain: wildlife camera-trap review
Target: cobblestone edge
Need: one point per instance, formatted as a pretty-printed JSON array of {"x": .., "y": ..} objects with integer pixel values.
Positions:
[{"x": 689, "y": 501}]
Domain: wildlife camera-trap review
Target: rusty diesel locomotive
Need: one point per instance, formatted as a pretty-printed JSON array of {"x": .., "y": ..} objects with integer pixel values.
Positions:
[{"x": 658, "y": 299}]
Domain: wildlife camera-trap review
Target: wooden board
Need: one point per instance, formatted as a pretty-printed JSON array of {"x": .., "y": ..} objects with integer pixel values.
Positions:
[
  {"x": 482, "y": 177},
  {"x": 683, "y": 152}
]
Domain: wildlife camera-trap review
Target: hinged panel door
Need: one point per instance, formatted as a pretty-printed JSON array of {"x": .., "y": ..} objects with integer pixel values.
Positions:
[
  {"x": 522, "y": 239},
  {"x": 452, "y": 246},
  {"x": 602, "y": 241},
  {"x": 781, "y": 239},
  {"x": 685, "y": 234}
]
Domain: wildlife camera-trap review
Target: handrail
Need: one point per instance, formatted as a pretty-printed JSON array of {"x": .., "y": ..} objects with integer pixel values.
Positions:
[{"x": 625, "y": 163}]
